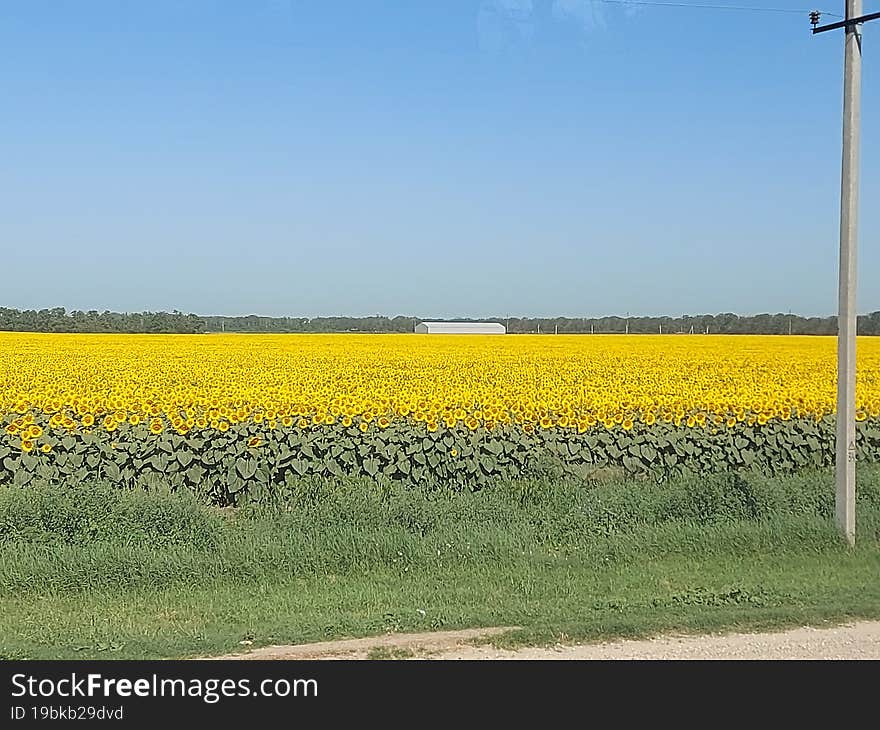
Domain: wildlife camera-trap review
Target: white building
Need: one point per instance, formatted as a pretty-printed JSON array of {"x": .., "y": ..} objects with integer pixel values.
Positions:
[{"x": 460, "y": 328}]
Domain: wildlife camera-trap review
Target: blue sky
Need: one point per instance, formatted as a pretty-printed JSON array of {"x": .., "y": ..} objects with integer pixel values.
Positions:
[{"x": 455, "y": 158}]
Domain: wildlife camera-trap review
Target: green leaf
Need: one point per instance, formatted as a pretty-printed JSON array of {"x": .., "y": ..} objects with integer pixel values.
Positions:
[
  {"x": 333, "y": 467},
  {"x": 236, "y": 484},
  {"x": 371, "y": 466},
  {"x": 195, "y": 473},
  {"x": 246, "y": 467}
]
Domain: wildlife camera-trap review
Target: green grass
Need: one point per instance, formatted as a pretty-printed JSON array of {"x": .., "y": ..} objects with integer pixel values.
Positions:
[{"x": 94, "y": 571}]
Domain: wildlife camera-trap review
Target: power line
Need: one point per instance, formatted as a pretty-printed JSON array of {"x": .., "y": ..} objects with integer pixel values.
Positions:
[{"x": 705, "y": 6}]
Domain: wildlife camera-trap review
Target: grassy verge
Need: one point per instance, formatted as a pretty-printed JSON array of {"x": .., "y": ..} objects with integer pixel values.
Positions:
[{"x": 98, "y": 572}]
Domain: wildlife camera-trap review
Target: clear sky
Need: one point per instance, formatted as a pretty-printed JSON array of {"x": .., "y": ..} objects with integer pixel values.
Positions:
[{"x": 445, "y": 158}]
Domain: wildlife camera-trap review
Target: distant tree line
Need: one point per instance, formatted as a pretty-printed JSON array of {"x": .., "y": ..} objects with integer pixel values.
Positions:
[
  {"x": 759, "y": 324},
  {"x": 253, "y": 323},
  {"x": 60, "y": 320},
  {"x": 719, "y": 324}
]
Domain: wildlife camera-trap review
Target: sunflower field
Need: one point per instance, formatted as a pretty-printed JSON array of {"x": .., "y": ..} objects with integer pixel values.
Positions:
[{"x": 236, "y": 415}]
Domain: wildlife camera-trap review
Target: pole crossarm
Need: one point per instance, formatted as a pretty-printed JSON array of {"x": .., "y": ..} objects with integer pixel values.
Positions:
[{"x": 846, "y": 23}]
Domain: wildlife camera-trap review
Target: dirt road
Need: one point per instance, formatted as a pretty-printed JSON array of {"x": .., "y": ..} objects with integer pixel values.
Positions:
[{"x": 859, "y": 640}]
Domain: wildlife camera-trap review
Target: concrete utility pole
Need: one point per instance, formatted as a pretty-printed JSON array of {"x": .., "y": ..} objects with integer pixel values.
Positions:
[{"x": 845, "y": 446}]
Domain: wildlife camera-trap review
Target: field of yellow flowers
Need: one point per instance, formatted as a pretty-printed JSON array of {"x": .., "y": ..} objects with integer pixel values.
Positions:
[{"x": 229, "y": 411}]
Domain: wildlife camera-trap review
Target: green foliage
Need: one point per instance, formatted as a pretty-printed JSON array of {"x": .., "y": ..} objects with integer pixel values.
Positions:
[
  {"x": 67, "y": 511},
  {"x": 229, "y": 471},
  {"x": 58, "y": 319},
  {"x": 89, "y": 570}
]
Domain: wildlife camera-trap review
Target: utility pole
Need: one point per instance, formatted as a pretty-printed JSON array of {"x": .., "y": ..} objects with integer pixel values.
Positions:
[{"x": 845, "y": 446}]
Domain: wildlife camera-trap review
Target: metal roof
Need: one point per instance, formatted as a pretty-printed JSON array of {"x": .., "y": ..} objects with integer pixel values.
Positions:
[
  {"x": 463, "y": 324},
  {"x": 464, "y": 327}
]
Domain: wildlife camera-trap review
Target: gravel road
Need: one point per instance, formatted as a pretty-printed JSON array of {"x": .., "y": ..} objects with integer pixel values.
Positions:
[
  {"x": 855, "y": 641},
  {"x": 859, "y": 640}
]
